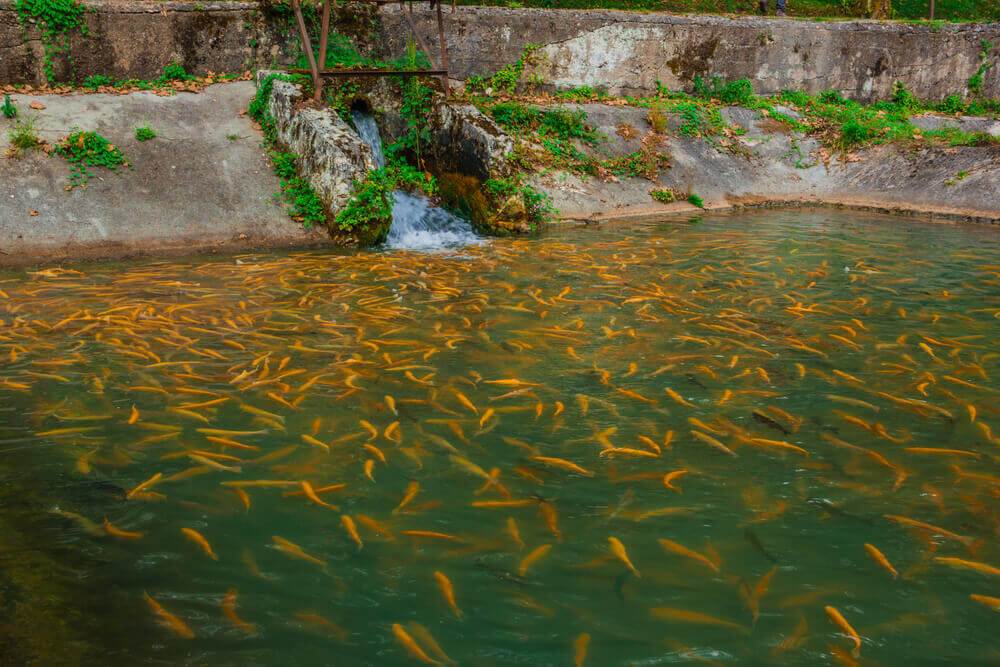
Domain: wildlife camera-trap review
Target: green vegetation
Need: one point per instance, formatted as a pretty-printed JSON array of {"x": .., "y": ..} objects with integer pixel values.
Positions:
[
  {"x": 304, "y": 204},
  {"x": 96, "y": 81},
  {"x": 23, "y": 137},
  {"x": 144, "y": 133},
  {"x": 695, "y": 200},
  {"x": 57, "y": 19},
  {"x": 975, "y": 83},
  {"x": 538, "y": 205},
  {"x": 84, "y": 150},
  {"x": 960, "y": 176},
  {"x": 7, "y": 108},
  {"x": 505, "y": 80},
  {"x": 663, "y": 195},
  {"x": 945, "y": 10}
]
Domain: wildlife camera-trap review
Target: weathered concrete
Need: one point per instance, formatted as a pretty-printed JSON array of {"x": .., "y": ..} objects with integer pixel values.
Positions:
[
  {"x": 203, "y": 184},
  {"x": 771, "y": 165},
  {"x": 627, "y": 52},
  {"x": 135, "y": 39}
]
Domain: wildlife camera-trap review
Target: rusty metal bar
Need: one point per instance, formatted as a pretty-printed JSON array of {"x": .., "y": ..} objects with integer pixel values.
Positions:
[
  {"x": 324, "y": 34},
  {"x": 307, "y": 47},
  {"x": 443, "y": 60},
  {"x": 413, "y": 30},
  {"x": 373, "y": 72}
]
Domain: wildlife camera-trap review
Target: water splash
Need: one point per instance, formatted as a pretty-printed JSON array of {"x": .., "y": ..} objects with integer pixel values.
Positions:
[{"x": 416, "y": 224}]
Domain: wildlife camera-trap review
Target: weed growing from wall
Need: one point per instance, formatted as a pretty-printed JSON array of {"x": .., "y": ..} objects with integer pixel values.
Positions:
[
  {"x": 23, "y": 137},
  {"x": 56, "y": 19}
]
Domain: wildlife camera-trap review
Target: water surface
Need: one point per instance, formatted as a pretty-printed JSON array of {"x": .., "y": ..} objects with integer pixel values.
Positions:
[{"x": 817, "y": 375}]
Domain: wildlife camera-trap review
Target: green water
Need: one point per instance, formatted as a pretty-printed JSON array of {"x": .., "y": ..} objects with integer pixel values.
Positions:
[{"x": 782, "y": 309}]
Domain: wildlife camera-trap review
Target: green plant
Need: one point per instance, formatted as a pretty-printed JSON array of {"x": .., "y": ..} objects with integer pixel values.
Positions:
[
  {"x": 975, "y": 84},
  {"x": 695, "y": 200},
  {"x": 8, "y": 109},
  {"x": 174, "y": 72},
  {"x": 370, "y": 204},
  {"x": 233, "y": 137},
  {"x": 23, "y": 137},
  {"x": 657, "y": 118},
  {"x": 56, "y": 19},
  {"x": 88, "y": 149},
  {"x": 663, "y": 195},
  {"x": 738, "y": 92},
  {"x": 505, "y": 79},
  {"x": 537, "y": 205},
  {"x": 144, "y": 133},
  {"x": 95, "y": 81},
  {"x": 960, "y": 176}
]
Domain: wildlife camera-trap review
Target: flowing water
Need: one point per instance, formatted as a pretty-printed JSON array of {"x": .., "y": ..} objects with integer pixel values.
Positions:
[
  {"x": 416, "y": 224},
  {"x": 628, "y": 445}
]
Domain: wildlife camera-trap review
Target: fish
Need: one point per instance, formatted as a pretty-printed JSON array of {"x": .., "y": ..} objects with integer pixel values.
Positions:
[
  {"x": 713, "y": 442},
  {"x": 580, "y": 646},
  {"x": 411, "y": 646},
  {"x": 962, "y": 564},
  {"x": 937, "y": 530},
  {"x": 676, "y": 548},
  {"x": 533, "y": 557},
  {"x": 168, "y": 620},
  {"x": 448, "y": 592},
  {"x": 619, "y": 552},
  {"x": 562, "y": 464},
  {"x": 881, "y": 560},
  {"x": 295, "y": 551},
  {"x": 412, "y": 489},
  {"x": 114, "y": 531},
  {"x": 352, "y": 530},
  {"x": 838, "y": 619},
  {"x": 991, "y": 602},
  {"x": 229, "y": 611},
  {"x": 755, "y": 542},
  {"x": 200, "y": 540},
  {"x": 693, "y": 617}
]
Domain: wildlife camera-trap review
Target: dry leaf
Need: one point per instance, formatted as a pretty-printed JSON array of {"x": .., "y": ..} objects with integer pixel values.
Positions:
[
  {"x": 33, "y": 213},
  {"x": 37, "y": 106}
]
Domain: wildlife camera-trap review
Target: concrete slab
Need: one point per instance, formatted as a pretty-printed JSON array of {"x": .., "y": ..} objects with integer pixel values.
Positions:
[{"x": 203, "y": 183}]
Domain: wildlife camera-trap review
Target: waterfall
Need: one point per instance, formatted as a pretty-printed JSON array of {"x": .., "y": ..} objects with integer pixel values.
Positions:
[
  {"x": 365, "y": 124},
  {"x": 416, "y": 224}
]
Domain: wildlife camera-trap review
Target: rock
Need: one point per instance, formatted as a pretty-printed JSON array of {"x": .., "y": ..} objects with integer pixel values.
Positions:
[
  {"x": 331, "y": 156},
  {"x": 467, "y": 141}
]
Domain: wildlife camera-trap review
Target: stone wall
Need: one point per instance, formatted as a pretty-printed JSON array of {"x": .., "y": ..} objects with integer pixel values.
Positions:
[
  {"x": 627, "y": 53},
  {"x": 136, "y": 39}
]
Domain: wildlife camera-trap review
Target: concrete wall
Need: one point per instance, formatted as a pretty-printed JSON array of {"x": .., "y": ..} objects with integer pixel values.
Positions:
[
  {"x": 628, "y": 52},
  {"x": 136, "y": 40}
]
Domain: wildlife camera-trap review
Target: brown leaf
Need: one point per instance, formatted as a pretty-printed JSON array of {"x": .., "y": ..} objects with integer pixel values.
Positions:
[
  {"x": 37, "y": 106},
  {"x": 33, "y": 213}
]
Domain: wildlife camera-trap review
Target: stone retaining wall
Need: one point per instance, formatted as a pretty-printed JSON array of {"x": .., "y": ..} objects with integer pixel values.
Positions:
[
  {"x": 627, "y": 53},
  {"x": 137, "y": 39}
]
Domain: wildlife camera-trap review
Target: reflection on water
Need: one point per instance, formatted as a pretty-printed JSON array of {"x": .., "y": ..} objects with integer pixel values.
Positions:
[{"x": 732, "y": 442}]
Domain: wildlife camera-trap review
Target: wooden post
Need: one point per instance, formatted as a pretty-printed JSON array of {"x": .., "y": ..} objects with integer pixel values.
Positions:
[
  {"x": 307, "y": 47},
  {"x": 444, "y": 50},
  {"x": 932, "y": 10}
]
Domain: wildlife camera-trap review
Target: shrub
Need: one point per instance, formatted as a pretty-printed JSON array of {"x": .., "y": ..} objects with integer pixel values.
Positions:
[
  {"x": 23, "y": 137},
  {"x": 144, "y": 133},
  {"x": 663, "y": 195},
  {"x": 95, "y": 81},
  {"x": 695, "y": 200},
  {"x": 175, "y": 72},
  {"x": 853, "y": 132},
  {"x": 657, "y": 118},
  {"x": 8, "y": 109},
  {"x": 88, "y": 149}
]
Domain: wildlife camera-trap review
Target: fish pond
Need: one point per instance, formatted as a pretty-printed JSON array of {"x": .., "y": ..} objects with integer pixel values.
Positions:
[{"x": 765, "y": 438}]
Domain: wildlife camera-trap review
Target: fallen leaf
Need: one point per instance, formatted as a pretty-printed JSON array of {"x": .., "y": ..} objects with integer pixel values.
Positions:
[
  {"x": 33, "y": 213},
  {"x": 37, "y": 106}
]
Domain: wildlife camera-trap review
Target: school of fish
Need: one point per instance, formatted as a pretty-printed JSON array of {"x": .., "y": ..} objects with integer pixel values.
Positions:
[{"x": 773, "y": 440}]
